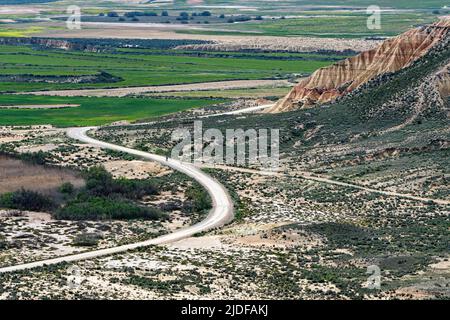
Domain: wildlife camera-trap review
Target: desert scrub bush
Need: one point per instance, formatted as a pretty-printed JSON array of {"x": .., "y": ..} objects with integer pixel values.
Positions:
[
  {"x": 120, "y": 155},
  {"x": 26, "y": 200},
  {"x": 151, "y": 284},
  {"x": 243, "y": 210},
  {"x": 198, "y": 199},
  {"x": 87, "y": 240},
  {"x": 100, "y": 182},
  {"x": 39, "y": 158},
  {"x": 67, "y": 188},
  {"x": 101, "y": 208},
  {"x": 193, "y": 278},
  {"x": 3, "y": 242}
]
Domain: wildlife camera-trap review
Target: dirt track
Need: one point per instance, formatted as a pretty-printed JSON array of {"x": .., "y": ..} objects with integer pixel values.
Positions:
[
  {"x": 221, "y": 213},
  {"x": 312, "y": 177},
  {"x": 120, "y": 92}
]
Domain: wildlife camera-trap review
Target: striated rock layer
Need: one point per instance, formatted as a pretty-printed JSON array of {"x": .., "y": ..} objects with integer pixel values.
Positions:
[{"x": 394, "y": 54}]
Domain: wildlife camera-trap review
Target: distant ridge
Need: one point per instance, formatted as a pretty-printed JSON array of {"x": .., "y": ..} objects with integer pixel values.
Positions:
[{"x": 329, "y": 83}]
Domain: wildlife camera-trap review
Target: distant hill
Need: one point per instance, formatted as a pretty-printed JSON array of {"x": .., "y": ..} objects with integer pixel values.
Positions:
[
  {"x": 328, "y": 84},
  {"x": 398, "y": 120},
  {"x": 394, "y": 130}
]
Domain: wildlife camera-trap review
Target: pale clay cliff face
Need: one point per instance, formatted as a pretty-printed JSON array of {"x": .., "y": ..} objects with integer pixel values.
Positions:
[{"x": 328, "y": 83}]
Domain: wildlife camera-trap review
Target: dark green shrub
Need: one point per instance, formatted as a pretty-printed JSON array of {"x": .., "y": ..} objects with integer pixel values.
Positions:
[
  {"x": 198, "y": 198},
  {"x": 98, "y": 208},
  {"x": 3, "y": 243},
  {"x": 26, "y": 200},
  {"x": 101, "y": 183},
  {"x": 67, "y": 188},
  {"x": 39, "y": 157},
  {"x": 87, "y": 240}
]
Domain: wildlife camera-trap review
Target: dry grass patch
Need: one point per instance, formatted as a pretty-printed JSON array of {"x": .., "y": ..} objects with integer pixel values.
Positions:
[{"x": 16, "y": 174}]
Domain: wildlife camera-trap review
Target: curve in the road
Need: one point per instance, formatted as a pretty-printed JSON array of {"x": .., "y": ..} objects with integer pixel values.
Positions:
[{"x": 220, "y": 214}]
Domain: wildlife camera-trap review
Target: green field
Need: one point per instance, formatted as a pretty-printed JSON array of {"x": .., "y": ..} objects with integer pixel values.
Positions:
[
  {"x": 324, "y": 24},
  {"x": 331, "y": 18},
  {"x": 15, "y": 32},
  {"x": 133, "y": 67},
  {"x": 239, "y": 6},
  {"x": 274, "y": 5},
  {"x": 92, "y": 111},
  {"x": 141, "y": 68}
]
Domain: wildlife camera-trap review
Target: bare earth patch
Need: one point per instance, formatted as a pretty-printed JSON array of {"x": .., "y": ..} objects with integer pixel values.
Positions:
[
  {"x": 135, "y": 169},
  {"x": 121, "y": 92}
]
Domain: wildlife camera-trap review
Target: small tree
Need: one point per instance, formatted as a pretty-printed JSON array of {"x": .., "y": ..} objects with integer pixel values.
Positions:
[
  {"x": 67, "y": 188},
  {"x": 3, "y": 243},
  {"x": 86, "y": 240},
  {"x": 39, "y": 157},
  {"x": 99, "y": 181},
  {"x": 26, "y": 200}
]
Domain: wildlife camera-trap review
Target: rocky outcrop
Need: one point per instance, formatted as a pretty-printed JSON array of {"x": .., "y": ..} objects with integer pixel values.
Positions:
[
  {"x": 394, "y": 54},
  {"x": 283, "y": 44}
]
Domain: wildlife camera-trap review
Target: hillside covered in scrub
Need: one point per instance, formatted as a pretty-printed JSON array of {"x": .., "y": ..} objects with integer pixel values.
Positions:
[{"x": 329, "y": 83}]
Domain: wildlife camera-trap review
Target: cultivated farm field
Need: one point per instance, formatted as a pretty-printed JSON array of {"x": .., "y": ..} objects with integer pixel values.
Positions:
[
  {"x": 92, "y": 111},
  {"x": 142, "y": 67},
  {"x": 26, "y": 68}
]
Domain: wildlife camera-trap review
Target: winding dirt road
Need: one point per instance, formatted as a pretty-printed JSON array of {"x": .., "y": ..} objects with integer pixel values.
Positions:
[
  {"x": 312, "y": 177},
  {"x": 220, "y": 214}
]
